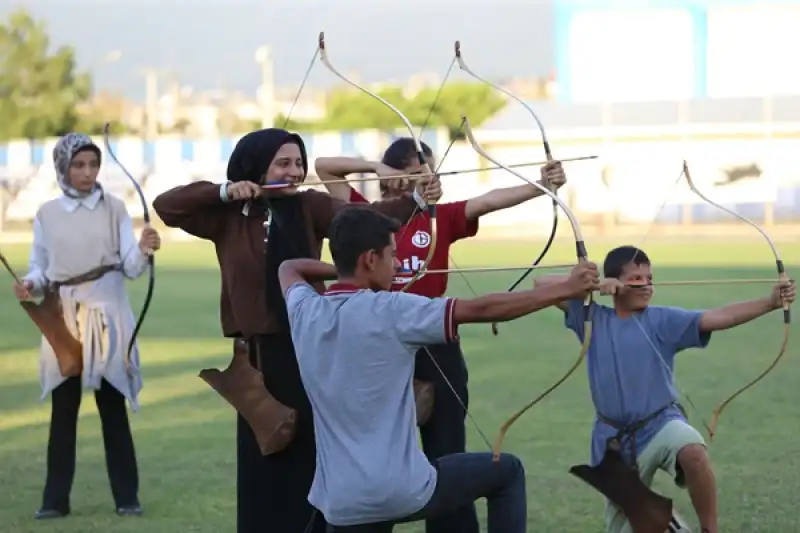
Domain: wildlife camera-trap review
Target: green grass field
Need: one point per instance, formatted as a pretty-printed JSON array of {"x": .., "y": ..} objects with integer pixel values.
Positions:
[{"x": 185, "y": 434}]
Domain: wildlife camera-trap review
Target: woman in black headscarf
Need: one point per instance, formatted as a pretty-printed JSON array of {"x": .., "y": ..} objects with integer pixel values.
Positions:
[{"x": 272, "y": 489}]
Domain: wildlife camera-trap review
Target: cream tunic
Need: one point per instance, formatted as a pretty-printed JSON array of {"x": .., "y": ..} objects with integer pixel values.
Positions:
[{"x": 71, "y": 237}]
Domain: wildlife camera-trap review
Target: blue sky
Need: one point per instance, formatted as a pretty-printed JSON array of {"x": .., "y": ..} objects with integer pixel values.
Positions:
[{"x": 211, "y": 43}]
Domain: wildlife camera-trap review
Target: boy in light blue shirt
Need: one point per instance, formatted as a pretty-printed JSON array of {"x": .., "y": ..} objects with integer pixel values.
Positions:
[
  {"x": 355, "y": 349},
  {"x": 630, "y": 365}
]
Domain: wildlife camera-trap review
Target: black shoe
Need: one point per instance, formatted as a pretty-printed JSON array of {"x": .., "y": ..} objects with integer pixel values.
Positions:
[
  {"x": 46, "y": 514},
  {"x": 129, "y": 510}
]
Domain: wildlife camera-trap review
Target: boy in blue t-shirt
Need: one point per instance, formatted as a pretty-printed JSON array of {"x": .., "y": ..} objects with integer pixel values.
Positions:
[
  {"x": 630, "y": 365},
  {"x": 355, "y": 349}
]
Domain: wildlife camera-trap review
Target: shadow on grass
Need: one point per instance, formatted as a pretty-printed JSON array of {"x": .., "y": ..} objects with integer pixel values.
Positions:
[
  {"x": 186, "y": 455},
  {"x": 29, "y": 390}
]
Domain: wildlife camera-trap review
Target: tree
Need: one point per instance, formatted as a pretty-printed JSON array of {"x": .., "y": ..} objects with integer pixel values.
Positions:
[
  {"x": 93, "y": 114},
  {"x": 39, "y": 90},
  {"x": 477, "y": 101},
  {"x": 350, "y": 109}
]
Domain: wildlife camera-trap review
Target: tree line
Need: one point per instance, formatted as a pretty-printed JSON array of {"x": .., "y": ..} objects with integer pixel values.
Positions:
[{"x": 43, "y": 93}]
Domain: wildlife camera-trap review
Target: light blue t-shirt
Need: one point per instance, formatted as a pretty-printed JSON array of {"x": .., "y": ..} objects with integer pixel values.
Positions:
[
  {"x": 631, "y": 377},
  {"x": 355, "y": 350}
]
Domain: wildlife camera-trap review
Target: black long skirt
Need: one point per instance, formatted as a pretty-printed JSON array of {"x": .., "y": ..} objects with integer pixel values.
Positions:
[{"x": 272, "y": 491}]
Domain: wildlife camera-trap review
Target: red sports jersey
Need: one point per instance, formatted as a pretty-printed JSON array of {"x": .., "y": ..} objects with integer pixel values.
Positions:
[{"x": 414, "y": 239}]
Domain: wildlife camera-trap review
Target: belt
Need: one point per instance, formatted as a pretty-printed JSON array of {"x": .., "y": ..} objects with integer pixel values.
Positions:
[
  {"x": 631, "y": 428},
  {"x": 94, "y": 274}
]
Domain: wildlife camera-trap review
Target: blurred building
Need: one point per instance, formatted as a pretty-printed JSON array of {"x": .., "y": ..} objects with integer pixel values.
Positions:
[{"x": 636, "y": 50}]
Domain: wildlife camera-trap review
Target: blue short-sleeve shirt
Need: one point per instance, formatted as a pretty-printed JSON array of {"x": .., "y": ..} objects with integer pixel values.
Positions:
[{"x": 630, "y": 364}]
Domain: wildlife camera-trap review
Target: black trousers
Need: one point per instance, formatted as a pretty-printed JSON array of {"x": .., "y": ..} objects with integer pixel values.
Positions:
[
  {"x": 445, "y": 433},
  {"x": 464, "y": 478},
  {"x": 272, "y": 491},
  {"x": 61, "y": 447}
]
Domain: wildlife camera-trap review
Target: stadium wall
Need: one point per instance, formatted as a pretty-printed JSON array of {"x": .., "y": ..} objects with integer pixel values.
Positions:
[{"x": 632, "y": 182}]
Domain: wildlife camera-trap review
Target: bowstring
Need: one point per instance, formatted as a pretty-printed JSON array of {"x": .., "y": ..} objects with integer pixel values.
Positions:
[
  {"x": 422, "y": 130},
  {"x": 300, "y": 89},
  {"x": 436, "y": 98},
  {"x": 310, "y": 524},
  {"x": 417, "y": 210},
  {"x": 670, "y": 371},
  {"x": 460, "y": 401},
  {"x": 453, "y": 140},
  {"x": 414, "y": 212}
]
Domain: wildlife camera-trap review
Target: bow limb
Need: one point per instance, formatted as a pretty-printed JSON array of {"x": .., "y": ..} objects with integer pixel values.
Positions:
[
  {"x": 548, "y": 154},
  {"x": 580, "y": 249},
  {"x": 431, "y": 207},
  {"x": 150, "y": 259},
  {"x": 787, "y": 314}
]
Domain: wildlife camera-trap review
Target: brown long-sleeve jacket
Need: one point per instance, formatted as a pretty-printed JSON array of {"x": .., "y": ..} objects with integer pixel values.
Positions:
[{"x": 199, "y": 210}]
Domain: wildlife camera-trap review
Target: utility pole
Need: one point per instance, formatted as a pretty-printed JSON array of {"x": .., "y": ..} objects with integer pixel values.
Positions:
[
  {"x": 151, "y": 102},
  {"x": 266, "y": 91}
]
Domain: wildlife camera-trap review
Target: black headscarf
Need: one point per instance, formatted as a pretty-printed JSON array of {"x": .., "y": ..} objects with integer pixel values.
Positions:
[{"x": 287, "y": 238}]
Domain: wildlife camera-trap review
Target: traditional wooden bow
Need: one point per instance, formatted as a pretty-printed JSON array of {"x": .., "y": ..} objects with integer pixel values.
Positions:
[
  {"x": 711, "y": 428},
  {"x": 548, "y": 154},
  {"x": 426, "y": 171},
  {"x": 430, "y": 207},
  {"x": 787, "y": 314},
  {"x": 580, "y": 249},
  {"x": 150, "y": 259}
]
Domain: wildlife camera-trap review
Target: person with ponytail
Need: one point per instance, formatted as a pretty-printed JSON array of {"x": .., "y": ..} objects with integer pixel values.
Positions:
[
  {"x": 444, "y": 432},
  {"x": 238, "y": 216}
]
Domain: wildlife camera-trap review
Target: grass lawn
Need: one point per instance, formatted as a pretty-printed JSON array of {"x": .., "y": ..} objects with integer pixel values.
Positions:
[{"x": 185, "y": 434}]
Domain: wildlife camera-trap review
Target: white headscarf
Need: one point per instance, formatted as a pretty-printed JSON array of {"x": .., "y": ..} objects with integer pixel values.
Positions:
[{"x": 63, "y": 152}]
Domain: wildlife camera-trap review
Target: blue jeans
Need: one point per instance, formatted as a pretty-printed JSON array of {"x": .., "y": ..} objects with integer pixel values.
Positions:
[
  {"x": 445, "y": 433},
  {"x": 462, "y": 479}
]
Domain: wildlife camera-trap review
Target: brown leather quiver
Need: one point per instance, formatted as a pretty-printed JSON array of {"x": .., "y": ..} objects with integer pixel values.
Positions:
[
  {"x": 242, "y": 386},
  {"x": 273, "y": 423},
  {"x": 647, "y": 511},
  {"x": 49, "y": 318},
  {"x": 48, "y": 315}
]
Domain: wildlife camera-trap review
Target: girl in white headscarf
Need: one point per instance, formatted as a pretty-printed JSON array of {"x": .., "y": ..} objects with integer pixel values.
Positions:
[{"x": 83, "y": 249}]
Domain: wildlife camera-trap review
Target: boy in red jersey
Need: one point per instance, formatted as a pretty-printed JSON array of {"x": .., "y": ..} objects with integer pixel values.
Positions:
[{"x": 444, "y": 433}]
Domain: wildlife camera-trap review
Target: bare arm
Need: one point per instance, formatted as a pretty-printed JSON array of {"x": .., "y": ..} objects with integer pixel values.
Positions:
[
  {"x": 504, "y": 306},
  {"x": 304, "y": 270},
  {"x": 547, "y": 281},
  {"x": 338, "y": 168},
  {"x": 732, "y": 315},
  {"x": 498, "y": 199},
  {"x": 552, "y": 176}
]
